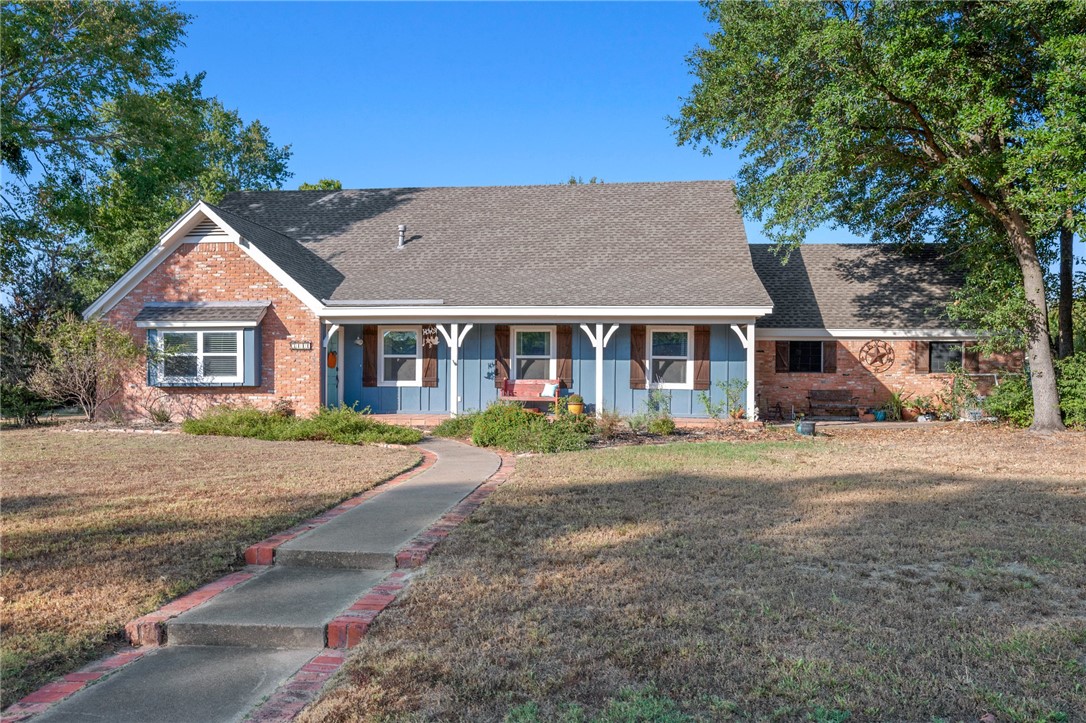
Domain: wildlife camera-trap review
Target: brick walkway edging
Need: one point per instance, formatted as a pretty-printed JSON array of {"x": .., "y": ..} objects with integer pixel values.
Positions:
[
  {"x": 49, "y": 694},
  {"x": 347, "y": 630},
  {"x": 150, "y": 629}
]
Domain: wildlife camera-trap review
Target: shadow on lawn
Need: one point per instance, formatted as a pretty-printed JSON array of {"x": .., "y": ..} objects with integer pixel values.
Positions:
[{"x": 898, "y": 598}]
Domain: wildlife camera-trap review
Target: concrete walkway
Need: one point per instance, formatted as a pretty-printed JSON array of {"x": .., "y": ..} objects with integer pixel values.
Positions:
[{"x": 224, "y": 657}]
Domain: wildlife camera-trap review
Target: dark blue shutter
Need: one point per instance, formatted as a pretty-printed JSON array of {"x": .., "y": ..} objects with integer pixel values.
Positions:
[
  {"x": 152, "y": 363},
  {"x": 251, "y": 356}
]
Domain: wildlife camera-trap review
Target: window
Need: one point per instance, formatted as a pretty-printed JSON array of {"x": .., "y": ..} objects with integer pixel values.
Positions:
[
  {"x": 200, "y": 357},
  {"x": 400, "y": 359},
  {"x": 533, "y": 354},
  {"x": 805, "y": 356},
  {"x": 942, "y": 354},
  {"x": 670, "y": 363}
]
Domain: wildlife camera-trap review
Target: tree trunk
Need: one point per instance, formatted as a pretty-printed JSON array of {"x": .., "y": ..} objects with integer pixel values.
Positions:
[
  {"x": 1067, "y": 339},
  {"x": 1046, "y": 398}
]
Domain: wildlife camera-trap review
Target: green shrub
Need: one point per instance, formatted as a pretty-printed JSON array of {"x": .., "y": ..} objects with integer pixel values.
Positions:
[
  {"x": 456, "y": 427},
  {"x": 342, "y": 425},
  {"x": 1072, "y": 383},
  {"x": 509, "y": 426},
  {"x": 1012, "y": 400},
  {"x": 21, "y": 404},
  {"x": 663, "y": 426}
]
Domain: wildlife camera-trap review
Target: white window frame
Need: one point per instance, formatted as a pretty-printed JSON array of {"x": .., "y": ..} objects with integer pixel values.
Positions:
[
  {"x": 649, "y": 357},
  {"x": 552, "y": 368},
  {"x": 200, "y": 377},
  {"x": 381, "y": 381}
]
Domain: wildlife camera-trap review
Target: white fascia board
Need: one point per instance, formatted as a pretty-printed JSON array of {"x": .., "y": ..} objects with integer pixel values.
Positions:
[
  {"x": 798, "y": 334},
  {"x": 547, "y": 314},
  {"x": 171, "y": 240}
]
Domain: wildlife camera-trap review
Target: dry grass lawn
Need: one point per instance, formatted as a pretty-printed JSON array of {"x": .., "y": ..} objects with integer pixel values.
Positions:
[
  {"x": 99, "y": 528},
  {"x": 916, "y": 575}
]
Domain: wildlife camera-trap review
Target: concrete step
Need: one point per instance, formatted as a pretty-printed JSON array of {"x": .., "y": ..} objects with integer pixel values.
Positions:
[
  {"x": 183, "y": 685},
  {"x": 336, "y": 560},
  {"x": 285, "y": 607}
]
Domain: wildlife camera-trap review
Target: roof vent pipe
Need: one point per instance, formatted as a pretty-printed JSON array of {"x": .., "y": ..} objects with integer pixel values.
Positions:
[{"x": 403, "y": 231}]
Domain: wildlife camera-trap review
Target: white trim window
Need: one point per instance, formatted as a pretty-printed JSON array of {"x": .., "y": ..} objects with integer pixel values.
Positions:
[
  {"x": 200, "y": 356},
  {"x": 399, "y": 356},
  {"x": 671, "y": 357},
  {"x": 534, "y": 353}
]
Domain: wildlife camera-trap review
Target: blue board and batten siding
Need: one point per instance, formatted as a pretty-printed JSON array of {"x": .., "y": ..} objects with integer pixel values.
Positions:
[{"x": 477, "y": 390}]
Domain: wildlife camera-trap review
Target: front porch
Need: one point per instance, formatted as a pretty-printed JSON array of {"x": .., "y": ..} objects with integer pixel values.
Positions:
[{"x": 419, "y": 373}]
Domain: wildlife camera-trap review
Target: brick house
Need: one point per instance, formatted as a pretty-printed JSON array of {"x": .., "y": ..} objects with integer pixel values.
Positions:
[{"x": 433, "y": 301}]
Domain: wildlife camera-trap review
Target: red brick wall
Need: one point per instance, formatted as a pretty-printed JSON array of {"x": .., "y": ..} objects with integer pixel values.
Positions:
[
  {"x": 873, "y": 389},
  {"x": 224, "y": 272}
]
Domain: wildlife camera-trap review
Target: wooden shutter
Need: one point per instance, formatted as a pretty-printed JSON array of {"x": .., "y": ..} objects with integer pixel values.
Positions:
[
  {"x": 782, "y": 357},
  {"x": 429, "y": 358},
  {"x": 501, "y": 355},
  {"x": 564, "y": 365},
  {"x": 638, "y": 377},
  {"x": 369, "y": 356},
  {"x": 970, "y": 357},
  {"x": 701, "y": 357},
  {"x": 922, "y": 356},
  {"x": 829, "y": 357}
]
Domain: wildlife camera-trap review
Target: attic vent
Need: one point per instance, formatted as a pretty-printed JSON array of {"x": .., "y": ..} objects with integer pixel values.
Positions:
[{"x": 207, "y": 227}]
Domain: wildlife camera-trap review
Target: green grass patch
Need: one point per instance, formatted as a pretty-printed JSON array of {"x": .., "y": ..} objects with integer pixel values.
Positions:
[{"x": 341, "y": 425}]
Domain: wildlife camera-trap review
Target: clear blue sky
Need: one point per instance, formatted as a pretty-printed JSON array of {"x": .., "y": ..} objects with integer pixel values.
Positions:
[{"x": 429, "y": 94}]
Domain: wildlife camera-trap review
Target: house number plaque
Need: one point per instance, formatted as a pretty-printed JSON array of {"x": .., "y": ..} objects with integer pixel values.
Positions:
[{"x": 877, "y": 355}]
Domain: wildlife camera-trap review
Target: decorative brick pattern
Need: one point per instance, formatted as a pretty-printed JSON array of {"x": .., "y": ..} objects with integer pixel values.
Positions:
[
  {"x": 263, "y": 553},
  {"x": 150, "y": 629},
  {"x": 49, "y": 695},
  {"x": 873, "y": 389},
  {"x": 300, "y": 690},
  {"x": 416, "y": 552},
  {"x": 224, "y": 272},
  {"x": 347, "y": 630}
]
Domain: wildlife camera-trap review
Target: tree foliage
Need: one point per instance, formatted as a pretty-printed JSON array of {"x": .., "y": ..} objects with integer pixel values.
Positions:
[
  {"x": 86, "y": 363},
  {"x": 102, "y": 145},
  {"x": 325, "y": 184},
  {"x": 906, "y": 122}
]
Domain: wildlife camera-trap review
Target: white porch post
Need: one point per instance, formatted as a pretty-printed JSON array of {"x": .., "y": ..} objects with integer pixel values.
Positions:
[
  {"x": 599, "y": 341},
  {"x": 454, "y": 337},
  {"x": 751, "y": 397}
]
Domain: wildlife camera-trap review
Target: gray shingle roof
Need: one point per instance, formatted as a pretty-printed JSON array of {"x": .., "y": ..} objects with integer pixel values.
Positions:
[
  {"x": 203, "y": 311},
  {"x": 855, "y": 286},
  {"x": 636, "y": 244}
]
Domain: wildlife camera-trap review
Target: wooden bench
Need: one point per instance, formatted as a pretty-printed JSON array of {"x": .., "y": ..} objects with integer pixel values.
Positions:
[
  {"x": 529, "y": 390},
  {"x": 825, "y": 400}
]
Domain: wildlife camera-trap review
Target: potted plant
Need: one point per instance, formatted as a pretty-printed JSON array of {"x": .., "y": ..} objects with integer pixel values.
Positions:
[{"x": 575, "y": 404}]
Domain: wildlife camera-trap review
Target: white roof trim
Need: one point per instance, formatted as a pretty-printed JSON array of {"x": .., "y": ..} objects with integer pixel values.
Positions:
[
  {"x": 170, "y": 240},
  {"x": 547, "y": 314},
  {"x": 196, "y": 324},
  {"x": 933, "y": 334}
]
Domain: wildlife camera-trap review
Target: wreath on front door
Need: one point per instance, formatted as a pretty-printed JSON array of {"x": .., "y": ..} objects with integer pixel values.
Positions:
[{"x": 877, "y": 355}]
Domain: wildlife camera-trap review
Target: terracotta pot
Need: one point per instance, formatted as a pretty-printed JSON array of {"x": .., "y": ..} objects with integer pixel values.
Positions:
[
  {"x": 867, "y": 417},
  {"x": 909, "y": 415}
]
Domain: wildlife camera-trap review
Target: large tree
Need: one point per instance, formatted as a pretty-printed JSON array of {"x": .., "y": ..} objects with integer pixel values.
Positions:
[
  {"x": 103, "y": 146},
  {"x": 906, "y": 122}
]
